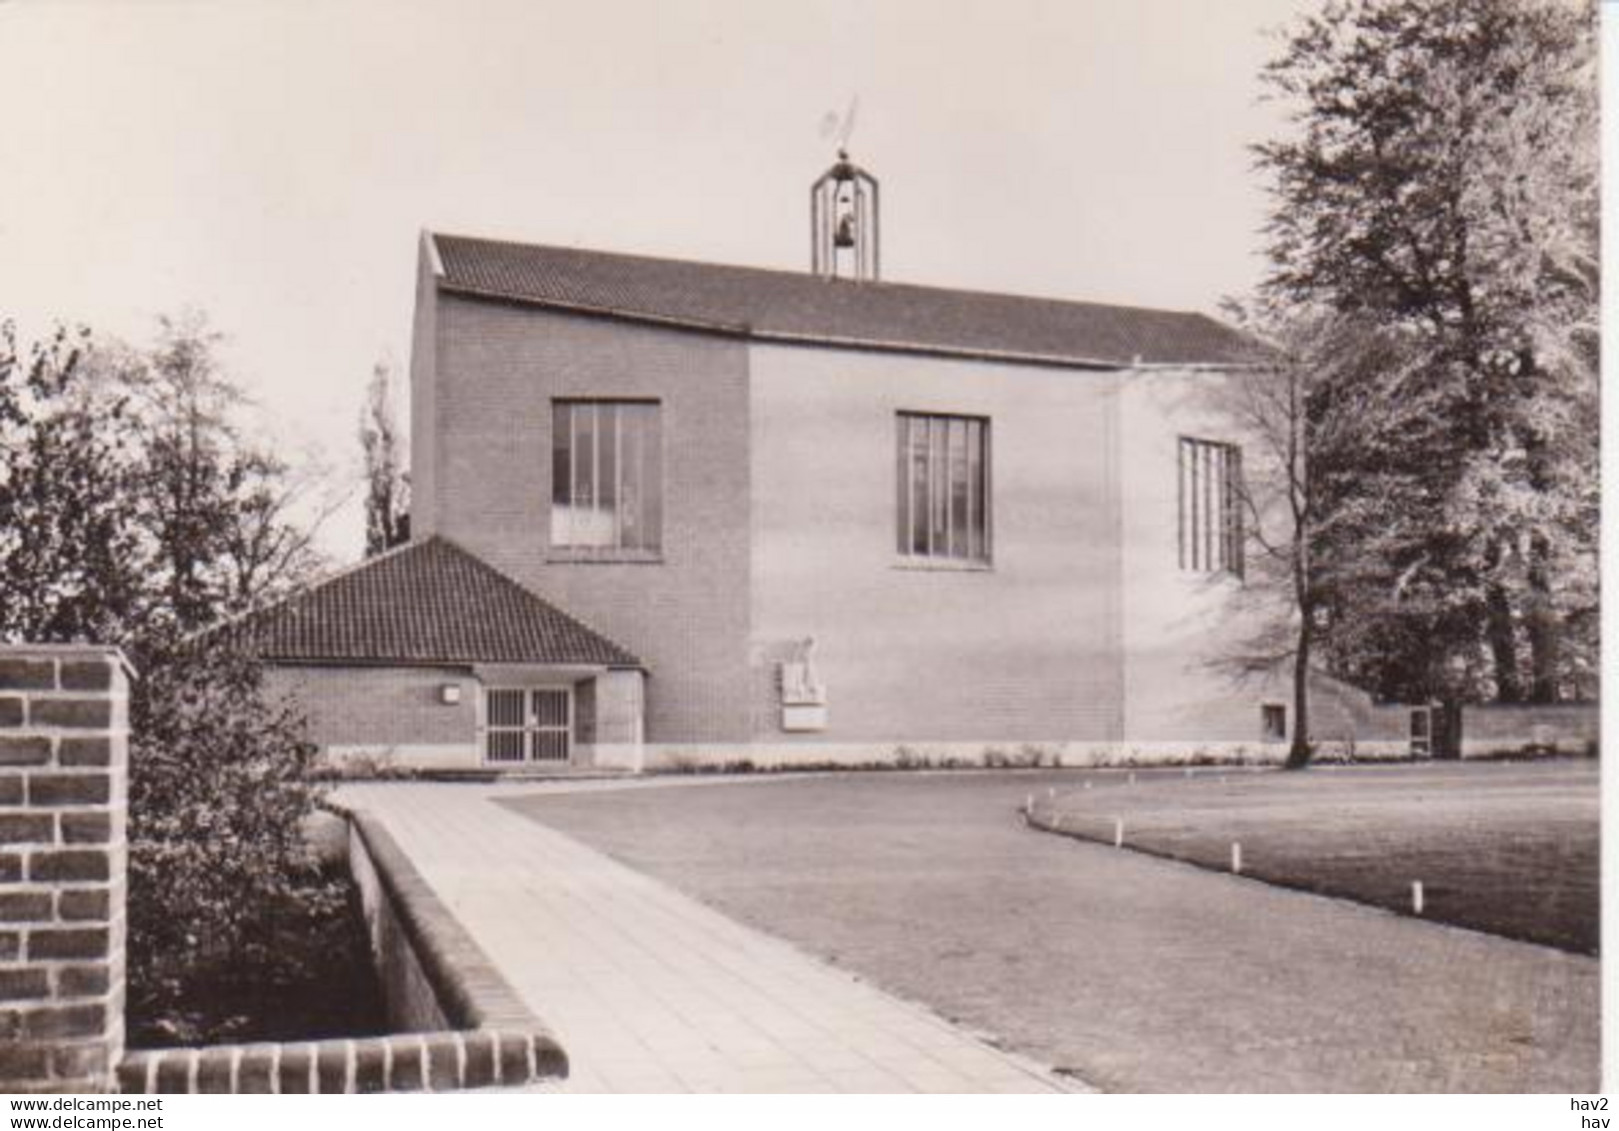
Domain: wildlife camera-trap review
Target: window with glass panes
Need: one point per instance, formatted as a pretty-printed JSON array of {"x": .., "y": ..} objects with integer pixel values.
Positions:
[
  {"x": 943, "y": 487},
  {"x": 607, "y": 476},
  {"x": 1210, "y": 479}
]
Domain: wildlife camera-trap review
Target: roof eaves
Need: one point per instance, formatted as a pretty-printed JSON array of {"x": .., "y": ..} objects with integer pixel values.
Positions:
[
  {"x": 834, "y": 341},
  {"x": 435, "y": 261},
  {"x": 730, "y": 329},
  {"x": 934, "y": 350}
]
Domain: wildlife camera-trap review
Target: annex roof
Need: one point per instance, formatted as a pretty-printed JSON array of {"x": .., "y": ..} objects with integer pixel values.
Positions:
[
  {"x": 425, "y": 602},
  {"x": 787, "y": 306}
]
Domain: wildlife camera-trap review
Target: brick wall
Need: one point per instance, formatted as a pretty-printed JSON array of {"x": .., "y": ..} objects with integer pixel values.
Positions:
[
  {"x": 391, "y": 714},
  {"x": 63, "y": 790},
  {"x": 486, "y": 468},
  {"x": 1499, "y": 728}
]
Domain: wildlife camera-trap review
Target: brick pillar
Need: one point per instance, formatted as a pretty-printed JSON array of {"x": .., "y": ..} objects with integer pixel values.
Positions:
[{"x": 64, "y": 744}]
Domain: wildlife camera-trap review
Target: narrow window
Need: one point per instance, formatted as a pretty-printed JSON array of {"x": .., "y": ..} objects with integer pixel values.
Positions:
[
  {"x": 1208, "y": 489},
  {"x": 1421, "y": 732},
  {"x": 943, "y": 492},
  {"x": 606, "y": 471}
]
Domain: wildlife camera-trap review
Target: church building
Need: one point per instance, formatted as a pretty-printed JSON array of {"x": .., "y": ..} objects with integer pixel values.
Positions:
[{"x": 672, "y": 513}]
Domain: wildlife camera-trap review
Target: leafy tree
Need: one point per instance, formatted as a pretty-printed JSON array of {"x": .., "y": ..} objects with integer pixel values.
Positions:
[
  {"x": 133, "y": 510},
  {"x": 1440, "y": 180},
  {"x": 387, "y": 495},
  {"x": 71, "y": 554},
  {"x": 217, "y": 507},
  {"x": 1328, "y": 403}
]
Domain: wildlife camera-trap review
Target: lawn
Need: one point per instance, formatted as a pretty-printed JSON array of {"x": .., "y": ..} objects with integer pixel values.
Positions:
[
  {"x": 1507, "y": 848},
  {"x": 1137, "y": 973}
]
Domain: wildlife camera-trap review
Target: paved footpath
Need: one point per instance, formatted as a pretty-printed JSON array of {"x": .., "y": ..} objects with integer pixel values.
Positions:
[{"x": 649, "y": 990}]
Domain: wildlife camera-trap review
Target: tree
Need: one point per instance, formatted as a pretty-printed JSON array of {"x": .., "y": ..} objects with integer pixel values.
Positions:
[
  {"x": 217, "y": 506},
  {"x": 387, "y": 494},
  {"x": 71, "y": 555},
  {"x": 1326, "y": 404},
  {"x": 133, "y": 510},
  {"x": 1440, "y": 180}
]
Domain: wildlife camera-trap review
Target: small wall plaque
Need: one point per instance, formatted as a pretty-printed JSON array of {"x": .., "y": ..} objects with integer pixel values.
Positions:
[{"x": 803, "y": 717}]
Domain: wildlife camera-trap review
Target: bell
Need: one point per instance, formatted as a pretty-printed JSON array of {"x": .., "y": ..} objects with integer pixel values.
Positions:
[{"x": 845, "y": 233}]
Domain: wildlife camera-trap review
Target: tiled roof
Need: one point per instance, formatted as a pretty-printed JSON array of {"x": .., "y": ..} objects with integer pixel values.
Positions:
[
  {"x": 790, "y": 306},
  {"x": 426, "y": 602}
]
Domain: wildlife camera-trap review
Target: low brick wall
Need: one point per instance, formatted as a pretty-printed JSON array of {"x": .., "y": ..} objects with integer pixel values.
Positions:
[
  {"x": 1510, "y": 728},
  {"x": 399, "y": 1062},
  {"x": 434, "y": 974},
  {"x": 465, "y": 1026}
]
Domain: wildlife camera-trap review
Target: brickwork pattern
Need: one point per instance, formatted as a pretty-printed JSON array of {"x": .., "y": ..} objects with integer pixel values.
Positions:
[
  {"x": 399, "y": 1062},
  {"x": 1498, "y": 728},
  {"x": 383, "y": 706},
  {"x": 487, "y": 463},
  {"x": 63, "y": 866}
]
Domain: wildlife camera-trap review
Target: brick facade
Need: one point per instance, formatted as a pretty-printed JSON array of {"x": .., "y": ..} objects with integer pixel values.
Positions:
[
  {"x": 395, "y": 717},
  {"x": 392, "y": 715},
  {"x": 497, "y": 367},
  {"x": 780, "y": 524},
  {"x": 63, "y": 866}
]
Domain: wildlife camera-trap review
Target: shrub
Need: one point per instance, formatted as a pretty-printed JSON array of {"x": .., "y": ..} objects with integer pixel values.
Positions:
[
  {"x": 907, "y": 759},
  {"x": 222, "y": 884},
  {"x": 1032, "y": 755}
]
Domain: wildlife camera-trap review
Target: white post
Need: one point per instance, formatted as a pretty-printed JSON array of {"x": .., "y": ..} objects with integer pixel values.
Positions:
[
  {"x": 1118, "y": 832},
  {"x": 1236, "y": 857},
  {"x": 1416, "y": 897}
]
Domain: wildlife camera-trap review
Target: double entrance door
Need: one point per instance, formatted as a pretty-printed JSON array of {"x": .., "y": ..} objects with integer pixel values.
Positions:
[{"x": 528, "y": 724}]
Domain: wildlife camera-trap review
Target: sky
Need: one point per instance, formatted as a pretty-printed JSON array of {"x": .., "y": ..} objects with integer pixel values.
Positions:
[{"x": 272, "y": 163}]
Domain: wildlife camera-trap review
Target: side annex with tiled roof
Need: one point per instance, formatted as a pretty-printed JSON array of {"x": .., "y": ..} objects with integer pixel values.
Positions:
[{"x": 428, "y": 657}]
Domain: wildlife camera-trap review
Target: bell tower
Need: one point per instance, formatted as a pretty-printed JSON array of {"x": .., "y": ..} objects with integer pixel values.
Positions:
[{"x": 843, "y": 222}]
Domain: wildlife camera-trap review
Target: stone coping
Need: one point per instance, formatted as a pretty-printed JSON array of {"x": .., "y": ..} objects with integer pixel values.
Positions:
[
  {"x": 398, "y": 1062},
  {"x": 43, "y": 652},
  {"x": 497, "y": 1042},
  {"x": 470, "y": 990}
]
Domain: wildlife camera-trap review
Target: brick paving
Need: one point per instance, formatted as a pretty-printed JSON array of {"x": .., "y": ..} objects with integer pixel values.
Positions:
[{"x": 650, "y": 991}]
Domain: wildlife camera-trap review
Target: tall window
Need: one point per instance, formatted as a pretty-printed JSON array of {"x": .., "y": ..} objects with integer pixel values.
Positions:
[
  {"x": 606, "y": 475},
  {"x": 944, "y": 487},
  {"x": 1210, "y": 508}
]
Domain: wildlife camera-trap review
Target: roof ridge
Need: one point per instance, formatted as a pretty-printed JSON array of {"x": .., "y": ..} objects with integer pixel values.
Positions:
[{"x": 532, "y": 595}]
